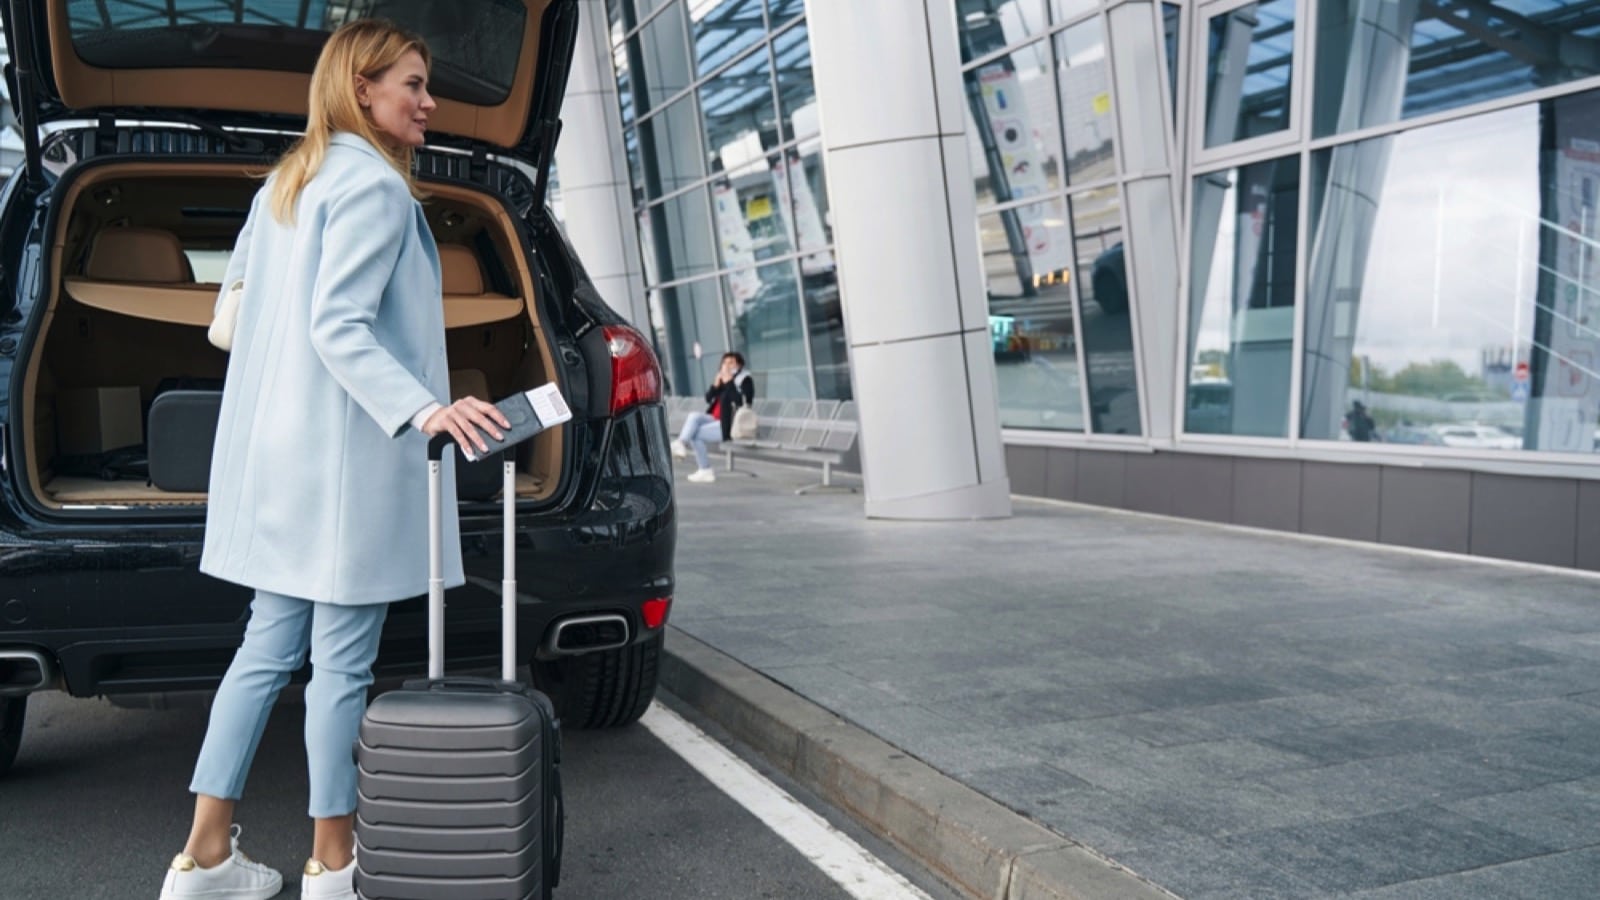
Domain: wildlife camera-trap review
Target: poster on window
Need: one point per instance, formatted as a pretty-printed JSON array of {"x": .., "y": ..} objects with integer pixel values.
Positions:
[
  {"x": 1569, "y": 396},
  {"x": 1021, "y": 169},
  {"x": 738, "y": 250},
  {"x": 791, "y": 181}
]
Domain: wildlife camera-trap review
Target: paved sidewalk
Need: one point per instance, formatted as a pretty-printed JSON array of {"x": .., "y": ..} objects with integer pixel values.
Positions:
[{"x": 1227, "y": 714}]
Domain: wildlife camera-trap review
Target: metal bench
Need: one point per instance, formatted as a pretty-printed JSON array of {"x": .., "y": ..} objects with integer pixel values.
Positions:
[{"x": 820, "y": 431}]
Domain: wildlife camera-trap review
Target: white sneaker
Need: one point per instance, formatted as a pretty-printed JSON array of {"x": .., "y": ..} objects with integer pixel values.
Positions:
[
  {"x": 702, "y": 476},
  {"x": 319, "y": 882},
  {"x": 236, "y": 878},
  {"x": 680, "y": 450}
]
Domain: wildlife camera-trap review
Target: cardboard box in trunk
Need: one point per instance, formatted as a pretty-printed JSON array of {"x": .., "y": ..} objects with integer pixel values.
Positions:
[{"x": 94, "y": 420}]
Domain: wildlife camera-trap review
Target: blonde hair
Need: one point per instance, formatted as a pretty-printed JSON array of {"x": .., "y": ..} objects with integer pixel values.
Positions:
[{"x": 366, "y": 47}]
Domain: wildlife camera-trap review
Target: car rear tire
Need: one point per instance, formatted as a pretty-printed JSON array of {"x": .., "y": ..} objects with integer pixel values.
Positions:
[
  {"x": 604, "y": 689},
  {"x": 13, "y": 710}
]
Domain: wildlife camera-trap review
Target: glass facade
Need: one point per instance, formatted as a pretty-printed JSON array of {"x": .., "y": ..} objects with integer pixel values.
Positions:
[
  {"x": 719, "y": 129},
  {"x": 1387, "y": 214},
  {"x": 1414, "y": 265},
  {"x": 1043, "y": 144}
]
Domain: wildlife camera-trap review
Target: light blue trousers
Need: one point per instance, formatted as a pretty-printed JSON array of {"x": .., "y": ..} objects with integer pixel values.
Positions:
[
  {"x": 699, "y": 429},
  {"x": 343, "y": 642}
]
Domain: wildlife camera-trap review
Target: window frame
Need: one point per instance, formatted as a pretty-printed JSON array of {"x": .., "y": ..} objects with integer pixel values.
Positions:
[{"x": 1199, "y": 26}]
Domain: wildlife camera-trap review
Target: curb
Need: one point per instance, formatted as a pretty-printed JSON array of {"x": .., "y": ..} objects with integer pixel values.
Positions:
[{"x": 972, "y": 842}]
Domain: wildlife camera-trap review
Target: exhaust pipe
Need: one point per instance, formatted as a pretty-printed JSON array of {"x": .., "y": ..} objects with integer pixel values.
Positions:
[
  {"x": 587, "y": 634},
  {"x": 24, "y": 671}
]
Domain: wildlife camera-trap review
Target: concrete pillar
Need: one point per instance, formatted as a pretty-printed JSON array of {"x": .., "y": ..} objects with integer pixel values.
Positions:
[
  {"x": 596, "y": 200},
  {"x": 889, "y": 91}
]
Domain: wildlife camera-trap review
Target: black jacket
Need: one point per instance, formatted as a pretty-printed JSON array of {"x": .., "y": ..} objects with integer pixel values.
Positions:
[{"x": 736, "y": 393}]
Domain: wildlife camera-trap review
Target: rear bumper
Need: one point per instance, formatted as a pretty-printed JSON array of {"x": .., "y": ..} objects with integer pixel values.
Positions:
[{"x": 140, "y": 617}]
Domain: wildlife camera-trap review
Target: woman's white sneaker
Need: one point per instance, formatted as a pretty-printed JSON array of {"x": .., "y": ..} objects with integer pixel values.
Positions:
[
  {"x": 236, "y": 878},
  {"x": 319, "y": 882},
  {"x": 680, "y": 450},
  {"x": 703, "y": 476}
]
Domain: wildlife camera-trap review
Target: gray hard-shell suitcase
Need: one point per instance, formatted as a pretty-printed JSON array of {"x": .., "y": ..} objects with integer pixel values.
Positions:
[
  {"x": 180, "y": 437},
  {"x": 460, "y": 778}
]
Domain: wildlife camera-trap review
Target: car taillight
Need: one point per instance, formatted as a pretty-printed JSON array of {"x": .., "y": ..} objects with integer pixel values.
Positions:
[
  {"x": 635, "y": 374},
  {"x": 654, "y": 612}
]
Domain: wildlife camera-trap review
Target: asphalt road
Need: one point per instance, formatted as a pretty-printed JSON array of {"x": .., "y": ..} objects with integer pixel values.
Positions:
[{"x": 97, "y": 805}]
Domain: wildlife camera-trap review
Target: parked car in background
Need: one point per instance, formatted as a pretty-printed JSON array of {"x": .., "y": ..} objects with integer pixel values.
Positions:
[{"x": 1478, "y": 437}]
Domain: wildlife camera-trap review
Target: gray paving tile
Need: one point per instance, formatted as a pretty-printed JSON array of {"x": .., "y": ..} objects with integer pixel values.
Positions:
[
  {"x": 1558, "y": 876},
  {"x": 1137, "y": 769},
  {"x": 1168, "y": 693},
  {"x": 1036, "y": 707},
  {"x": 1583, "y": 645},
  {"x": 1526, "y": 684},
  {"x": 833, "y": 688},
  {"x": 1341, "y": 743},
  {"x": 1559, "y": 816},
  {"x": 1254, "y": 719},
  {"x": 1022, "y": 787},
  {"x": 1391, "y": 783},
  {"x": 1110, "y": 823},
  {"x": 1201, "y": 867},
  {"x": 1215, "y": 808},
  {"x": 1373, "y": 851}
]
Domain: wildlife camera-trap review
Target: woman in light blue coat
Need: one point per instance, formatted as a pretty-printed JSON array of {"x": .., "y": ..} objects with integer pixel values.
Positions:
[{"x": 318, "y": 495}]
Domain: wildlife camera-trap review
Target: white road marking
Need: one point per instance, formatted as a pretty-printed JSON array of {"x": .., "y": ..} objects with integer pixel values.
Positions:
[{"x": 861, "y": 874}]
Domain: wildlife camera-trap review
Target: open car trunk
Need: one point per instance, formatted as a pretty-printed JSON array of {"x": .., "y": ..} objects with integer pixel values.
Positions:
[{"x": 132, "y": 282}]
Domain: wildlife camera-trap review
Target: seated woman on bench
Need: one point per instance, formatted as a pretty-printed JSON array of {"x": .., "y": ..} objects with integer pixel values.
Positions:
[{"x": 733, "y": 387}]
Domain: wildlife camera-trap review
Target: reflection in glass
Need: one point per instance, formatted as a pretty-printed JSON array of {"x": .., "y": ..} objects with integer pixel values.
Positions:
[
  {"x": 1027, "y": 258},
  {"x": 737, "y": 107},
  {"x": 830, "y": 358},
  {"x": 690, "y": 321},
  {"x": 1102, "y": 277},
  {"x": 1171, "y": 20},
  {"x": 802, "y": 176},
  {"x": 750, "y": 205},
  {"x": 1453, "y": 291},
  {"x": 630, "y": 148},
  {"x": 1449, "y": 55},
  {"x": 680, "y": 237},
  {"x": 1064, "y": 10},
  {"x": 620, "y": 14},
  {"x": 1013, "y": 136},
  {"x": 1085, "y": 77},
  {"x": 659, "y": 57},
  {"x": 988, "y": 25},
  {"x": 781, "y": 11},
  {"x": 619, "y": 61},
  {"x": 1249, "y": 71},
  {"x": 1241, "y": 299},
  {"x": 670, "y": 142},
  {"x": 722, "y": 30},
  {"x": 797, "y": 91},
  {"x": 768, "y": 330}
]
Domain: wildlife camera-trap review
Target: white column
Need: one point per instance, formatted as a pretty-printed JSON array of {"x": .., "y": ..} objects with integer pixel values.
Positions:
[
  {"x": 891, "y": 102},
  {"x": 597, "y": 201}
]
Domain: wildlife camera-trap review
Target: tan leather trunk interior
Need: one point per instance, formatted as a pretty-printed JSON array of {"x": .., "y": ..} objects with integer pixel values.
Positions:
[{"x": 127, "y": 313}]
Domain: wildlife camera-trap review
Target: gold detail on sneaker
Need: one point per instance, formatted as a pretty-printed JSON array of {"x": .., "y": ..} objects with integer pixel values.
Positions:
[
  {"x": 315, "y": 868},
  {"x": 183, "y": 862}
]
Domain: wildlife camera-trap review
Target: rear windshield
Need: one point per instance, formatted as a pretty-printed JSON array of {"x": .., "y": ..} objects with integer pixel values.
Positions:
[{"x": 475, "y": 43}]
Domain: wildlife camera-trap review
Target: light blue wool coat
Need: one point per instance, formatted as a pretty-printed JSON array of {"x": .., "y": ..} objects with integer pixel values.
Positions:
[{"x": 318, "y": 481}]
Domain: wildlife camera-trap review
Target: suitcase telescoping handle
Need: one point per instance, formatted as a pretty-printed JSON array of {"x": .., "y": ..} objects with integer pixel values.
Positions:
[{"x": 508, "y": 576}]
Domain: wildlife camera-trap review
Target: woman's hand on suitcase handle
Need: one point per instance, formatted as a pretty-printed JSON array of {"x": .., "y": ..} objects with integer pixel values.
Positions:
[{"x": 463, "y": 419}]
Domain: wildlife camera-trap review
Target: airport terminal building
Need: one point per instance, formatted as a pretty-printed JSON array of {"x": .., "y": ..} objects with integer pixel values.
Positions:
[{"x": 1312, "y": 265}]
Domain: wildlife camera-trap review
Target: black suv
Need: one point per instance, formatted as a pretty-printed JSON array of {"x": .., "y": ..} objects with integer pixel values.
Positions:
[{"x": 158, "y": 121}]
